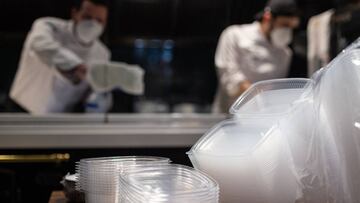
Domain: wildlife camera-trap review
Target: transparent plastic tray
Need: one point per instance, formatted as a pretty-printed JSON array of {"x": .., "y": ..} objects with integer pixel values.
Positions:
[
  {"x": 269, "y": 98},
  {"x": 168, "y": 183}
]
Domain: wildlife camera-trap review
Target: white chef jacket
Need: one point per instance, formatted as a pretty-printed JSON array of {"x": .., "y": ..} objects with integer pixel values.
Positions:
[
  {"x": 318, "y": 35},
  {"x": 51, "y": 45},
  {"x": 244, "y": 53}
]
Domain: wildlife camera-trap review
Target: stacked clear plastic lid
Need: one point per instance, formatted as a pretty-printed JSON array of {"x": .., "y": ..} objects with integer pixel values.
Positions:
[
  {"x": 98, "y": 178},
  {"x": 171, "y": 183},
  {"x": 247, "y": 155}
]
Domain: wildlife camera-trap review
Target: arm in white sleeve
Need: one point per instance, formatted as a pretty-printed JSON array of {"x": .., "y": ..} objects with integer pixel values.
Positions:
[
  {"x": 50, "y": 51},
  {"x": 227, "y": 59}
]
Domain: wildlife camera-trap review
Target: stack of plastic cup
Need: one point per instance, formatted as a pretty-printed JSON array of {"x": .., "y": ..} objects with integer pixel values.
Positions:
[
  {"x": 168, "y": 183},
  {"x": 248, "y": 155},
  {"x": 98, "y": 178}
]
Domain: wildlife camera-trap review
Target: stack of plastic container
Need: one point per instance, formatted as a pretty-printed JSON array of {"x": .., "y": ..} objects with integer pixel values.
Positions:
[
  {"x": 247, "y": 155},
  {"x": 98, "y": 178},
  {"x": 290, "y": 139},
  {"x": 167, "y": 183}
]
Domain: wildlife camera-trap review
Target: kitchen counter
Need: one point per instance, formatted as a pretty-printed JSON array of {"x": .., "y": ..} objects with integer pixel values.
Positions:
[{"x": 103, "y": 131}]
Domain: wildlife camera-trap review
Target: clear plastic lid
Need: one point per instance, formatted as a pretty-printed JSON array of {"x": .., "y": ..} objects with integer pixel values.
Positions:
[
  {"x": 232, "y": 137},
  {"x": 122, "y": 159},
  {"x": 269, "y": 98}
]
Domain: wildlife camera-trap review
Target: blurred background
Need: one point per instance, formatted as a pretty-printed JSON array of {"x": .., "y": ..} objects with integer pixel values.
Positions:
[{"x": 173, "y": 40}]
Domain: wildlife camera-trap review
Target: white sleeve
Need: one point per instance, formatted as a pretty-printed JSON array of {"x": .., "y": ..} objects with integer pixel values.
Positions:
[
  {"x": 312, "y": 45},
  {"x": 50, "y": 51},
  {"x": 227, "y": 60}
]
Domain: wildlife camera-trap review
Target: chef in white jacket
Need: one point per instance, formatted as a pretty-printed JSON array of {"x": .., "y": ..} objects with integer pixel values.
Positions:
[
  {"x": 252, "y": 52},
  {"x": 55, "y": 58}
]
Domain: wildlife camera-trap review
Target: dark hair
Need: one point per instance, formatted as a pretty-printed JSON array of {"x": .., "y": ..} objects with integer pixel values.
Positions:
[
  {"x": 282, "y": 7},
  {"x": 277, "y": 8},
  {"x": 77, "y": 3}
]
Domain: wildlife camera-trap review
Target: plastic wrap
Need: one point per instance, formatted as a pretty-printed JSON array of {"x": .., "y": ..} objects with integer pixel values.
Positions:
[
  {"x": 322, "y": 133},
  {"x": 336, "y": 138}
]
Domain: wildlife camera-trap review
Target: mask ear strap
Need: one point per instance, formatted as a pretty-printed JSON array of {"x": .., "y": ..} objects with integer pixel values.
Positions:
[{"x": 74, "y": 30}]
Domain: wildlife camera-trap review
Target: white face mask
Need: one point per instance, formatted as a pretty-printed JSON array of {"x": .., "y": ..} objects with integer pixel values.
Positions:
[
  {"x": 281, "y": 37},
  {"x": 88, "y": 30}
]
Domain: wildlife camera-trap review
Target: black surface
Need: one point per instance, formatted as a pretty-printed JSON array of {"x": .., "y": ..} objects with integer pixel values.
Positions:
[{"x": 33, "y": 182}]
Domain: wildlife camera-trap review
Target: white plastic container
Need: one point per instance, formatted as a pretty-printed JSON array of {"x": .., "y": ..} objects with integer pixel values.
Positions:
[
  {"x": 269, "y": 98},
  {"x": 226, "y": 154},
  {"x": 311, "y": 149},
  {"x": 248, "y": 155}
]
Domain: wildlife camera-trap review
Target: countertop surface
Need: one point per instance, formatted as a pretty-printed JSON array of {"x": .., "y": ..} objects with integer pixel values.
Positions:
[{"x": 103, "y": 131}]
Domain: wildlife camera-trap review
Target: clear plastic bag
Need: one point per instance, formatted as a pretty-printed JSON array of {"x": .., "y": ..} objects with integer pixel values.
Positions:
[
  {"x": 336, "y": 151},
  {"x": 323, "y": 136}
]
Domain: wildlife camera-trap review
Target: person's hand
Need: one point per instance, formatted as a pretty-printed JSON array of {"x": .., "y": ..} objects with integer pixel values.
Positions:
[
  {"x": 80, "y": 72},
  {"x": 244, "y": 86},
  {"x": 76, "y": 74}
]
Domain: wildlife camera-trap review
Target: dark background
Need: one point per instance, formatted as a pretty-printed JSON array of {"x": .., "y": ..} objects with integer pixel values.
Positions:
[{"x": 176, "y": 42}]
